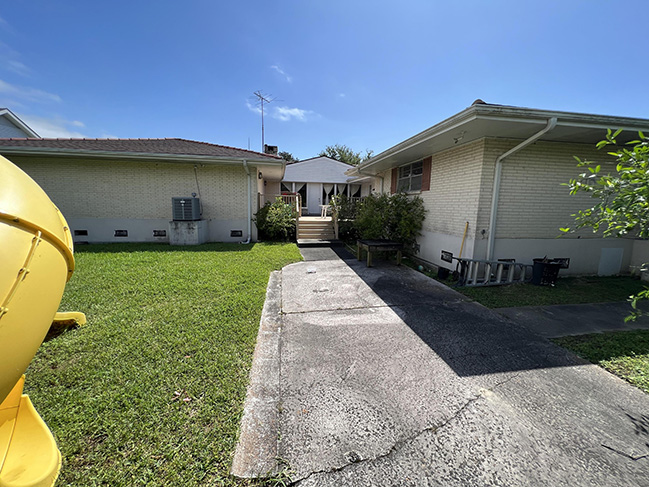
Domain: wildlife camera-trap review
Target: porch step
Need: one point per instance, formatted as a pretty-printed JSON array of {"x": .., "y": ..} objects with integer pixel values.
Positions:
[
  {"x": 316, "y": 235},
  {"x": 314, "y": 228},
  {"x": 306, "y": 242}
]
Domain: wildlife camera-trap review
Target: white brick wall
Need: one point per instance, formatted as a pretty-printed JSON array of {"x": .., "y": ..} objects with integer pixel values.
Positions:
[
  {"x": 455, "y": 190},
  {"x": 533, "y": 203},
  {"x": 136, "y": 190}
]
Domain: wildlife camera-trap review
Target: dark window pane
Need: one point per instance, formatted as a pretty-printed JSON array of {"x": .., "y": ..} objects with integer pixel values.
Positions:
[{"x": 415, "y": 183}]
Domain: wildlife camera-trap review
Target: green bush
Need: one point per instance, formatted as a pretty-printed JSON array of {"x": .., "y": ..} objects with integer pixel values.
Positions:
[
  {"x": 276, "y": 221},
  {"x": 345, "y": 210},
  {"x": 398, "y": 217}
]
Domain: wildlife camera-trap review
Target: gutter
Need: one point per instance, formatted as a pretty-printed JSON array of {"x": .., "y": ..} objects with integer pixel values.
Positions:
[
  {"x": 143, "y": 156},
  {"x": 245, "y": 166},
  {"x": 495, "y": 195}
]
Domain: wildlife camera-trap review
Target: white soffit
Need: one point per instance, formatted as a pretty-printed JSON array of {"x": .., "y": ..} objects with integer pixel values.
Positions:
[{"x": 575, "y": 128}]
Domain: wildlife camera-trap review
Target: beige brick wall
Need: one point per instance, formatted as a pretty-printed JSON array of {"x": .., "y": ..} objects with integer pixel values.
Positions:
[
  {"x": 455, "y": 190},
  {"x": 133, "y": 189},
  {"x": 533, "y": 203}
]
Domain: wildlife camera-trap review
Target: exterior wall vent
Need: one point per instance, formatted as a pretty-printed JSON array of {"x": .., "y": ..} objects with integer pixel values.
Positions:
[
  {"x": 186, "y": 209},
  {"x": 236, "y": 233},
  {"x": 159, "y": 233},
  {"x": 121, "y": 233},
  {"x": 81, "y": 233}
]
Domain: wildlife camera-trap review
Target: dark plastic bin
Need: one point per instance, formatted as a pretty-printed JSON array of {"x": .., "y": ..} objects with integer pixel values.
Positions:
[
  {"x": 443, "y": 273},
  {"x": 545, "y": 272}
]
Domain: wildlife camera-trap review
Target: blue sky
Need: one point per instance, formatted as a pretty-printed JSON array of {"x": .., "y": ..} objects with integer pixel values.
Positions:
[{"x": 364, "y": 74}]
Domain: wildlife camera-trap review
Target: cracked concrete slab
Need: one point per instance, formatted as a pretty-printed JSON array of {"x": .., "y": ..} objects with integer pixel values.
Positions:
[{"x": 389, "y": 378}]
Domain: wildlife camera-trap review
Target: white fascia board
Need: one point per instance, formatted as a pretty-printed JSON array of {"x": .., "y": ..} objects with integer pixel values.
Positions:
[
  {"x": 19, "y": 123},
  {"x": 604, "y": 126},
  {"x": 572, "y": 119}
]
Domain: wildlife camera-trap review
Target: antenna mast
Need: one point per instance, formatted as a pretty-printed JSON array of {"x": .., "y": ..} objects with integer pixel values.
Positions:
[{"x": 262, "y": 99}]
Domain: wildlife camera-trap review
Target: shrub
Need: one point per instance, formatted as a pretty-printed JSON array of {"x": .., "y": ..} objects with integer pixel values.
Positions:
[
  {"x": 398, "y": 217},
  {"x": 276, "y": 221}
]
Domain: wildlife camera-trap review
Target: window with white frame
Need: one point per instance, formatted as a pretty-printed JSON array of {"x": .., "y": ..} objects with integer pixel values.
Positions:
[{"x": 410, "y": 177}]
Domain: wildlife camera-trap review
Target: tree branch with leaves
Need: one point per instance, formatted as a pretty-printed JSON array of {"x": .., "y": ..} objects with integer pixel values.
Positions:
[{"x": 622, "y": 207}]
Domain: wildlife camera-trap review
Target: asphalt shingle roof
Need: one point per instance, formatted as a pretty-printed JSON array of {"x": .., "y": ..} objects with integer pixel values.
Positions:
[{"x": 137, "y": 146}]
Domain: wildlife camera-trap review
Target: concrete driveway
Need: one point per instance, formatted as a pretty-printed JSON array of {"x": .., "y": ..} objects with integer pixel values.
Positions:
[{"x": 384, "y": 377}]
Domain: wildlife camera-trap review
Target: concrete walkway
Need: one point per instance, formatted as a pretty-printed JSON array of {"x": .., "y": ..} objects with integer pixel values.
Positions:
[{"x": 384, "y": 377}]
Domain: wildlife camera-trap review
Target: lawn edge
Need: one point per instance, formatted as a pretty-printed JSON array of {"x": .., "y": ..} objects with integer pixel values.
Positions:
[{"x": 256, "y": 454}]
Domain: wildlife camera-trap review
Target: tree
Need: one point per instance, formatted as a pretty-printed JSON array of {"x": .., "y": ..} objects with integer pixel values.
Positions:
[
  {"x": 622, "y": 196},
  {"x": 288, "y": 157},
  {"x": 343, "y": 153}
]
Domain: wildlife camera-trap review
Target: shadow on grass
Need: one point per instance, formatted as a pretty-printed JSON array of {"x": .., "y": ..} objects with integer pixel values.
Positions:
[
  {"x": 58, "y": 329},
  {"x": 163, "y": 247}
]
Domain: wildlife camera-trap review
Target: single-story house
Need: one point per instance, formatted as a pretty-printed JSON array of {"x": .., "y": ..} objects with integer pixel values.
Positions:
[
  {"x": 116, "y": 190},
  {"x": 317, "y": 179},
  {"x": 500, "y": 169}
]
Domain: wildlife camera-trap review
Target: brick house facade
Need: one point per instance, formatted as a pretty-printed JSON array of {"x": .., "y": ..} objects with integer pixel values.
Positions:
[{"x": 532, "y": 202}]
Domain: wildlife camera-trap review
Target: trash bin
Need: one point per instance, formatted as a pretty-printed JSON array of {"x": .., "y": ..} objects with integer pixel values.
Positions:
[{"x": 545, "y": 271}]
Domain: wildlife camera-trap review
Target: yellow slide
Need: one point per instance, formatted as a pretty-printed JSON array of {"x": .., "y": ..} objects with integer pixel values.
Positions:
[{"x": 35, "y": 263}]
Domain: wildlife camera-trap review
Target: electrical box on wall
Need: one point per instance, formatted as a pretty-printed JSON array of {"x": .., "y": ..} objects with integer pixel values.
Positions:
[{"x": 186, "y": 209}]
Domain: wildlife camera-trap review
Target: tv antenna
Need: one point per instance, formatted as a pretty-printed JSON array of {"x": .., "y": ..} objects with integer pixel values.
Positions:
[{"x": 263, "y": 99}]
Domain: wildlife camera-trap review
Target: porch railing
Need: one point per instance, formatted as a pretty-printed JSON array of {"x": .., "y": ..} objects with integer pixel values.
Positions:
[{"x": 294, "y": 200}]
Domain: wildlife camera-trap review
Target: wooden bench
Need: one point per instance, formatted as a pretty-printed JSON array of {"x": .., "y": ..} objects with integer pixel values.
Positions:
[{"x": 377, "y": 246}]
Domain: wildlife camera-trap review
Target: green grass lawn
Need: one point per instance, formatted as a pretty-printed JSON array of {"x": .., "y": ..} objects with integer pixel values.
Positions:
[
  {"x": 623, "y": 353},
  {"x": 568, "y": 290},
  {"x": 150, "y": 391}
]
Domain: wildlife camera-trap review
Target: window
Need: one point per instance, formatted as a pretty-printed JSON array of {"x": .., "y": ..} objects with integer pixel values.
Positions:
[{"x": 410, "y": 177}]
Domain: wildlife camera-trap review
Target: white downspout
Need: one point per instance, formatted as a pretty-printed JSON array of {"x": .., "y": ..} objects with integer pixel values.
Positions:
[
  {"x": 493, "y": 215},
  {"x": 245, "y": 166}
]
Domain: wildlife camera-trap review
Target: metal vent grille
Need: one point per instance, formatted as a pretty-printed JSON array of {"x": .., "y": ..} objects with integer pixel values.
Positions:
[{"x": 186, "y": 209}]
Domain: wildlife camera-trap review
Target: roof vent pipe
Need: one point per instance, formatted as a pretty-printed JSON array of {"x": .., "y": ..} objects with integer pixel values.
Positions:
[{"x": 493, "y": 215}]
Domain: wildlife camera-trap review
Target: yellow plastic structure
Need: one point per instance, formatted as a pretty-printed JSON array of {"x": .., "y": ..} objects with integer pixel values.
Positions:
[
  {"x": 28, "y": 453},
  {"x": 35, "y": 263}
]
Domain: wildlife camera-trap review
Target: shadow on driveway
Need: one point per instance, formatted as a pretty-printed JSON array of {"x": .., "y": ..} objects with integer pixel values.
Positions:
[{"x": 470, "y": 338}]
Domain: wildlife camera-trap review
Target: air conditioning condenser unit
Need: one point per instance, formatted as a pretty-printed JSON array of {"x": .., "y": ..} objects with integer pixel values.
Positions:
[{"x": 186, "y": 209}]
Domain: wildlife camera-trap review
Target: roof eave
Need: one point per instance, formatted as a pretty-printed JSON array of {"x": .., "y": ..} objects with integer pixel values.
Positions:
[
  {"x": 144, "y": 156},
  {"x": 445, "y": 125},
  {"x": 19, "y": 123},
  {"x": 500, "y": 113}
]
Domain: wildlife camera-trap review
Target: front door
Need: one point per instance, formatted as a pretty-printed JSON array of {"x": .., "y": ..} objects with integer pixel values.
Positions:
[{"x": 313, "y": 198}]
